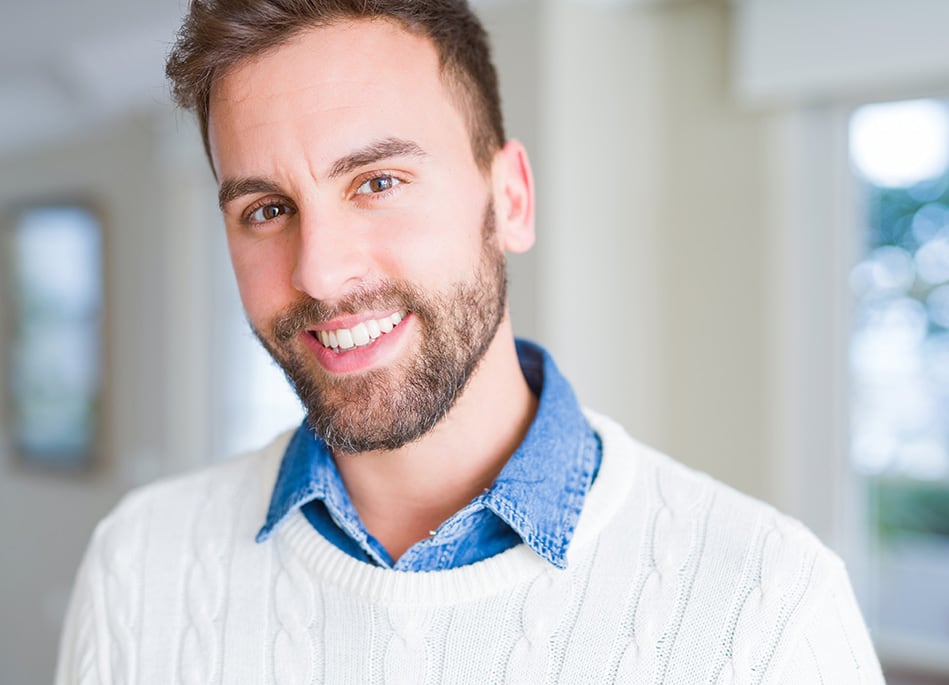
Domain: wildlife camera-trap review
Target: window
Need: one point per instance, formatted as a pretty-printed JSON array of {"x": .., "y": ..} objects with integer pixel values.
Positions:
[
  {"x": 52, "y": 270},
  {"x": 899, "y": 356}
]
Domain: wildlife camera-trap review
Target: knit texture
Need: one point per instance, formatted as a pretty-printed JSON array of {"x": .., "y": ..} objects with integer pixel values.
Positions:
[{"x": 671, "y": 578}]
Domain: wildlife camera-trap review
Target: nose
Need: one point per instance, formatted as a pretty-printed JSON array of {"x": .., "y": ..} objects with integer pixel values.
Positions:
[{"x": 331, "y": 258}]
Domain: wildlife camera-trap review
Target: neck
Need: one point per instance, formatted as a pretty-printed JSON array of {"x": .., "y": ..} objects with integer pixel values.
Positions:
[{"x": 402, "y": 495}]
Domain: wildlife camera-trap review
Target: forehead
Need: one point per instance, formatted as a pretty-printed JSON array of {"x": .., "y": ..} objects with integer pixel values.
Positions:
[
  {"x": 339, "y": 81},
  {"x": 346, "y": 49}
]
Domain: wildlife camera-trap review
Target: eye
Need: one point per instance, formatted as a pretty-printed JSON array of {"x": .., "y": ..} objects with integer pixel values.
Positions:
[
  {"x": 268, "y": 212},
  {"x": 377, "y": 184}
]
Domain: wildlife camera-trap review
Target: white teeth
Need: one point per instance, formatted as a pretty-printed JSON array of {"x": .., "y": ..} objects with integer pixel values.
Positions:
[
  {"x": 361, "y": 334},
  {"x": 345, "y": 337}
]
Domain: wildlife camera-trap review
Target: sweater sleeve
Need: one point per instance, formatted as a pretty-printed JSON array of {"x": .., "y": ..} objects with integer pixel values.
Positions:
[
  {"x": 79, "y": 656},
  {"x": 834, "y": 647},
  {"x": 100, "y": 633}
]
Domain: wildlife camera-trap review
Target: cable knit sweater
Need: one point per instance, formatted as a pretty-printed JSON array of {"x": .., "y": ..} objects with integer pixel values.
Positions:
[{"x": 671, "y": 578}]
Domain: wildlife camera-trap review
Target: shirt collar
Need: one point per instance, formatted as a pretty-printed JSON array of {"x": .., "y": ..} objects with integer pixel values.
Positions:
[
  {"x": 539, "y": 492},
  {"x": 307, "y": 472}
]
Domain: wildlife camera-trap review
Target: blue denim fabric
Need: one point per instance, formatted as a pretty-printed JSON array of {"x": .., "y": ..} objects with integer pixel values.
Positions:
[{"x": 536, "y": 498}]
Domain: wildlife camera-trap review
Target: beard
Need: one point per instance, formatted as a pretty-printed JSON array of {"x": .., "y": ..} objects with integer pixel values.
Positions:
[{"x": 384, "y": 409}]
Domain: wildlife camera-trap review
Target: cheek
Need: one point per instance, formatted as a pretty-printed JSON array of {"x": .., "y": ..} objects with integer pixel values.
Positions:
[
  {"x": 432, "y": 261},
  {"x": 440, "y": 245},
  {"x": 263, "y": 271}
]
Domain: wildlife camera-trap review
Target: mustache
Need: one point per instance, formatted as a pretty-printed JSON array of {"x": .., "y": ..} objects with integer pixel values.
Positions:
[{"x": 310, "y": 312}]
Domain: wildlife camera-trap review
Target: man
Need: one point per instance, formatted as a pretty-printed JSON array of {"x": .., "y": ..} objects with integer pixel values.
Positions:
[{"x": 447, "y": 513}]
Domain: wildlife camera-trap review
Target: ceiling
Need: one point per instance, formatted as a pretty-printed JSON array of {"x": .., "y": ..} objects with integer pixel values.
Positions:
[{"x": 67, "y": 63}]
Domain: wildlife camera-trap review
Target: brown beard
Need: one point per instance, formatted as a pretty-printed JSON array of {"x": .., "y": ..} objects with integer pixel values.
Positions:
[{"x": 384, "y": 409}]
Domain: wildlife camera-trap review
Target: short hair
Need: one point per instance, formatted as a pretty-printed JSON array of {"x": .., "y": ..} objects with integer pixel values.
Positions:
[{"x": 217, "y": 34}]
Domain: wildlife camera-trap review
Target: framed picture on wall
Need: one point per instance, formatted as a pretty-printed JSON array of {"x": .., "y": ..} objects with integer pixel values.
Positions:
[{"x": 52, "y": 281}]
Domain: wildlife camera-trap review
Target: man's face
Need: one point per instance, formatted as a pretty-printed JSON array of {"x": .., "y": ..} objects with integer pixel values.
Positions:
[{"x": 360, "y": 228}]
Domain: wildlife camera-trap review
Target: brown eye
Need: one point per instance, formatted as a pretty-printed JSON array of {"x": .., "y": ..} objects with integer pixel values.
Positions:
[
  {"x": 377, "y": 184},
  {"x": 268, "y": 212}
]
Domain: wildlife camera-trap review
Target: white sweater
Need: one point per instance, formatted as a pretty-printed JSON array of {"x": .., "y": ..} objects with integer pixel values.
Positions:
[{"x": 671, "y": 578}]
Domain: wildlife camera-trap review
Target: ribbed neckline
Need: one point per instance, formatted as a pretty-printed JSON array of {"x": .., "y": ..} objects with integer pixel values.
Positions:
[{"x": 484, "y": 578}]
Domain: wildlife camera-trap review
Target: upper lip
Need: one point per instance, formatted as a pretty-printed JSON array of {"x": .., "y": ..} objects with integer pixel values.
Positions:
[{"x": 350, "y": 321}]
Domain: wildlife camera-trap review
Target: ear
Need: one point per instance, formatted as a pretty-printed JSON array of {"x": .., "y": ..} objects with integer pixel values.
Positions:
[{"x": 513, "y": 187}]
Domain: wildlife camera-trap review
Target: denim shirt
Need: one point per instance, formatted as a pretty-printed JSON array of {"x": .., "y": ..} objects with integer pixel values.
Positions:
[{"x": 536, "y": 499}]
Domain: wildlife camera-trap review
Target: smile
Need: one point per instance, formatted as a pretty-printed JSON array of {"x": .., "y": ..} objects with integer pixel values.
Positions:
[{"x": 363, "y": 333}]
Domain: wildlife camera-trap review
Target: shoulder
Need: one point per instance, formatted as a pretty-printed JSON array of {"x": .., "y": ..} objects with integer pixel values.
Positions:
[
  {"x": 232, "y": 493},
  {"x": 712, "y": 551},
  {"x": 727, "y": 521},
  {"x": 158, "y": 565}
]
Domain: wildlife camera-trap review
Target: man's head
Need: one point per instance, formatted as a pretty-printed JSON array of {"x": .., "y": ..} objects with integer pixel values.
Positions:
[
  {"x": 366, "y": 216},
  {"x": 218, "y": 34}
]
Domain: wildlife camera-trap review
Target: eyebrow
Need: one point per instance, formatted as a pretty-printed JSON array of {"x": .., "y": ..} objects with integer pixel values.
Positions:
[
  {"x": 231, "y": 189},
  {"x": 376, "y": 151}
]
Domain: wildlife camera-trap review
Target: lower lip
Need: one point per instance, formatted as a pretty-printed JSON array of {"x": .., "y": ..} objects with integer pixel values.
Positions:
[{"x": 376, "y": 354}]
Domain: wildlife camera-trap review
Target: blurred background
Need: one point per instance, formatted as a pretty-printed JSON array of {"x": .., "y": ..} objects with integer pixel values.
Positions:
[{"x": 743, "y": 255}]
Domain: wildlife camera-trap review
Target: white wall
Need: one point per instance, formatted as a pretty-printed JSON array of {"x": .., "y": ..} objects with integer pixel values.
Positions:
[
  {"x": 716, "y": 283},
  {"x": 46, "y": 520},
  {"x": 600, "y": 229}
]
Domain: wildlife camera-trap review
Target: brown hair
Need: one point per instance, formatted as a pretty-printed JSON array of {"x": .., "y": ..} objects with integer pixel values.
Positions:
[{"x": 217, "y": 34}]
